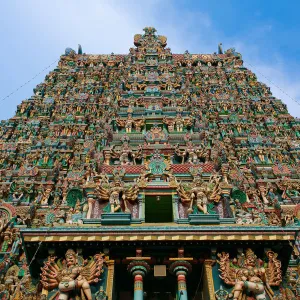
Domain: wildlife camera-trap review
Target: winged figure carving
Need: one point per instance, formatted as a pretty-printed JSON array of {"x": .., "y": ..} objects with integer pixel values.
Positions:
[
  {"x": 71, "y": 275},
  {"x": 200, "y": 193},
  {"x": 249, "y": 275},
  {"x": 126, "y": 155},
  {"x": 115, "y": 191}
]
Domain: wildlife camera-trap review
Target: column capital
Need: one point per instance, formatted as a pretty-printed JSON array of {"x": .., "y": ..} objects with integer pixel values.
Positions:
[
  {"x": 138, "y": 267},
  {"x": 180, "y": 267},
  {"x": 209, "y": 262}
]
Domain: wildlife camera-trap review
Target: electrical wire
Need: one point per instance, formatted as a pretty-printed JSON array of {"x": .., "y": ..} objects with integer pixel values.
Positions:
[
  {"x": 200, "y": 279},
  {"x": 13, "y": 92},
  {"x": 271, "y": 82},
  {"x": 40, "y": 243},
  {"x": 38, "y": 248}
]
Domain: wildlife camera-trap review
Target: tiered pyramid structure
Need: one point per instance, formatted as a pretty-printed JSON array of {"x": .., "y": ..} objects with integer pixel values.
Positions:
[{"x": 150, "y": 175}]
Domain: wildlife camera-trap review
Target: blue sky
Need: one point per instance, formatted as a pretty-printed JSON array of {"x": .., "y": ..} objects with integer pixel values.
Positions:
[{"x": 34, "y": 33}]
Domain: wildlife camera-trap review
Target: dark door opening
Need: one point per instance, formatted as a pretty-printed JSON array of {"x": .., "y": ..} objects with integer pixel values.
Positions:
[
  {"x": 158, "y": 209},
  {"x": 156, "y": 288},
  {"x": 123, "y": 283}
]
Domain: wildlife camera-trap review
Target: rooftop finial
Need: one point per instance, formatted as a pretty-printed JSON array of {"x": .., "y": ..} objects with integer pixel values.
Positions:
[
  {"x": 220, "y": 49},
  {"x": 79, "y": 49}
]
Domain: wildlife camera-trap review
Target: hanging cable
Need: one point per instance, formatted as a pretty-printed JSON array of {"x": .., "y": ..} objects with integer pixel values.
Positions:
[
  {"x": 200, "y": 279},
  {"x": 44, "y": 238},
  {"x": 29, "y": 80},
  {"x": 270, "y": 81},
  {"x": 38, "y": 248}
]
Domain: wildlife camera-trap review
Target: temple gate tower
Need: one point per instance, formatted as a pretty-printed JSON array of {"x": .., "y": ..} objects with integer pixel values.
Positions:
[{"x": 150, "y": 175}]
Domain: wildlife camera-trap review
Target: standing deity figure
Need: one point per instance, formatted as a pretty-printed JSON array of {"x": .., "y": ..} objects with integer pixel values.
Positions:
[
  {"x": 7, "y": 239},
  {"x": 192, "y": 153},
  {"x": 115, "y": 192},
  {"x": 75, "y": 274},
  {"x": 189, "y": 151},
  {"x": 170, "y": 123},
  {"x": 126, "y": 155},
  {"x": 200, "y": 194},
  {"x": 114, "y": 197},
  {"x": 248, "y": 275},
  {"x": 179, "y": 123},
  {"x": 129, "y": 123}
]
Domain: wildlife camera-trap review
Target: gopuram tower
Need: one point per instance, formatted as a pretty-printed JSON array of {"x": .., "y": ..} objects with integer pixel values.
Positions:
[{"x": 150, "y": 175}]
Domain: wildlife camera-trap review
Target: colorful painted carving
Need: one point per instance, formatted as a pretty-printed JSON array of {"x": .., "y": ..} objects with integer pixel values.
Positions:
[
  {"x": 74, "y": 275},
  {"x": 193, "y": 142},
  {"x": 247, "y": 274}
]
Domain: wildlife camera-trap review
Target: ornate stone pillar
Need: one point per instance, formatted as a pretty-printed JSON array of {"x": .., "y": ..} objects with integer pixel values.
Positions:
[
  {"x": 138, "y": 267},
  {"x": 110, "y": 277},
  {"x": 180, "y": 267},
  {"x": 175, "y": 203},
  {"x": 208, "y": 284},
  {"x": 142, "y": 208},
  {"x": 138, "y": 270},
  {"x": 141, "y": 203}
]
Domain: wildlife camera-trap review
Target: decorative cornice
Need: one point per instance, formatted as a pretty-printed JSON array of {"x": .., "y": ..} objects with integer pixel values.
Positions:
[{"x": 118, "y": 237}]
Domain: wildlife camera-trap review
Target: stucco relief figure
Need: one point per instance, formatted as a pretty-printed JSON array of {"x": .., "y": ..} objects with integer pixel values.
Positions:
[
  {"x": 248, "y": 275},
  {"x": 129, "y": 123},
  {"x": 72, "y": 275},
  {"x": 126, "y": 155},
  {"x": 117, "y": 194},
  {"x": 178, "y": 123},
  {"x": 200, "y": 194}
]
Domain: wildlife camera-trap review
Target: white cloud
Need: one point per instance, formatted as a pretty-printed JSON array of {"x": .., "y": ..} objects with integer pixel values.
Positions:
[
  {"x": 104, "y": 27},
  {"x": 284, "y": 83}
]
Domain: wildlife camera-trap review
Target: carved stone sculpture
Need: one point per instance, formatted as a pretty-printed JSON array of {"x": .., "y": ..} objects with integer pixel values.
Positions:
[
  {"x": 75, "y": 274},
  {"x": 247, "y": 274}
]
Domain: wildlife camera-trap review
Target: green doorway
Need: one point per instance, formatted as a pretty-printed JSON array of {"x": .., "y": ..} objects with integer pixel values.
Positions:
[{"x": 158, "y": 209}]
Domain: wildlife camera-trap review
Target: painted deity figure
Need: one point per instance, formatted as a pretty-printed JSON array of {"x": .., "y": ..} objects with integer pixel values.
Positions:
[
  {"x": 242, "y": 216},
  {"x": 126, "y": 154},
  {"x": 179, "y": 123},
  {"x": 247, "y": 275},
  {"x": 200, "y": 194},
  {"x": 190, "y": 151},
  {"x": 75, "y": 274},
  {"x": 117, "y": 193},
  {"x": 114, "y": 198},
  {"x": 7, "y": 237},
  {"x": 129, "y": 123}
]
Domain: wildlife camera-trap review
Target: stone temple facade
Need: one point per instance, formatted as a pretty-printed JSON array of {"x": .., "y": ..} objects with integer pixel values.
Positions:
[{"x": 150, "y": 175}]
